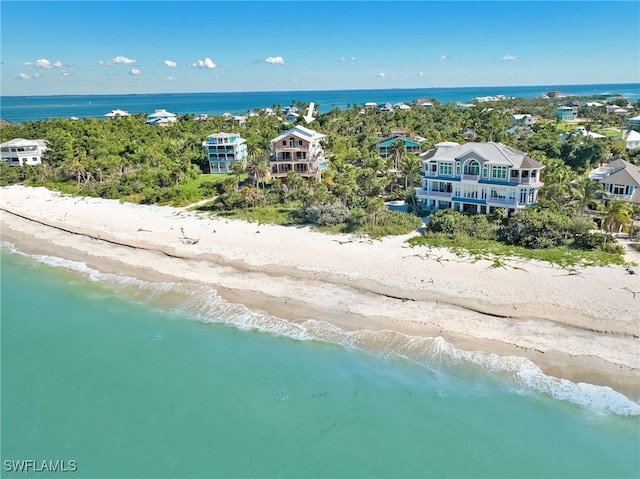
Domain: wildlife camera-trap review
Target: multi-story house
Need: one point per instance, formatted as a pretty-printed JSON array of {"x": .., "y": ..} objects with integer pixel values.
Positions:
[
  {"x": 298, "y": 149},
  {"x": 620, "y": 179},
  {"x": 566, "y": 113},
  {"x": 18, "y": 152},
  {"x": 223, "y": 150},
  {"x": 478, "y": 178}
]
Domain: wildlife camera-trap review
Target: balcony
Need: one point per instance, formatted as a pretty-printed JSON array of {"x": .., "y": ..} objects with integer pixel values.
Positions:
[
  {"x": 422, "y": 193},
  {"x": 500, "y": 202},
  {"x": 472, "y": 178}
]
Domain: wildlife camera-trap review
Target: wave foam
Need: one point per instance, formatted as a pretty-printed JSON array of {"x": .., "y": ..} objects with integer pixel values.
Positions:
[{"x": 203, "y": 304}]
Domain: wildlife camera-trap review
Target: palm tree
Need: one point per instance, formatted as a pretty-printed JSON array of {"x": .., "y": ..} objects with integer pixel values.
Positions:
[
  {"x": 585, "y": 193},
  {"x": 410, "y": 168},
  {"x": 617, "y": 212},
  {"x": 237, "y": 168},
  {"x": 258, "y": 167},
  {"x": 398, "y": 151},
  {"x": 374, "y": 206}
]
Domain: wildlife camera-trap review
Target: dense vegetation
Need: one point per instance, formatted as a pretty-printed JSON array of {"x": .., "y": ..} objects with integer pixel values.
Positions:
[{"x": 128, "y": 160}]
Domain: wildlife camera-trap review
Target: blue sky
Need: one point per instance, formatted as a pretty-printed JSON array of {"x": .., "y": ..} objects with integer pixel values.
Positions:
[{"x": 53, "y": 47}]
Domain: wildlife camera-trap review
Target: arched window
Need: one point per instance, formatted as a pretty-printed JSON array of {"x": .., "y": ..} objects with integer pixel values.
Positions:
[{"x": 472, "y": 168}]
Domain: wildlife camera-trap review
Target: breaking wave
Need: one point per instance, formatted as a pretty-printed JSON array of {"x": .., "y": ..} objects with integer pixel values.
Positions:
[{"x": 203, "y": 304}]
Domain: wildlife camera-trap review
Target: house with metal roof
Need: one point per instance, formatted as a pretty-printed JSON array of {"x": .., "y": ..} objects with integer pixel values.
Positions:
[
  {"x": 224, "y": 150},
  {"x": 19, "y": 152},
  {"x": 478, "y": 178},
  {"x": 161, "y": 117},
  {"x": 116, "y": 114},
  {"x": 385, "y": 146},
  {"x": 298, "y": 149}
]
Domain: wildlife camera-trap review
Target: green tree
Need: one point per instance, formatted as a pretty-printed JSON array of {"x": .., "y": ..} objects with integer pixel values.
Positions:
[
  {"x": 586, "y": 193},
  {"x": 258, "y": 167},
  {"x": 615, "y": 213}
]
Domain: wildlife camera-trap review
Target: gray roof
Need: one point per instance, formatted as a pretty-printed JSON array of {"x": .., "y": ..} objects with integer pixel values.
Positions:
[
  {"x": 494, "y": 153},
  {"x": 628, "y": 175}
]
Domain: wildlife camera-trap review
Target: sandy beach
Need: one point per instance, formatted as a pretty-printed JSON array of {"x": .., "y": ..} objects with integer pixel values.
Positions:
[{"x": 583, "y": 326}]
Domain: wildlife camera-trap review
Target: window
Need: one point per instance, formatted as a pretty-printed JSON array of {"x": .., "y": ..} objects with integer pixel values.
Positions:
[
  {"x": 497, "y": 195},
  {"x": 472, "y": 168},
  {"x": 284, "y": 142},
  {"x": 446, "y": 169},
  {"x": 485, "y": 171},
  {"x": 301, "y": 155},
  {"x": 618, "y": 190},
  {"x": 499, "y": 173},
  {"x": 457, "y": 169}
]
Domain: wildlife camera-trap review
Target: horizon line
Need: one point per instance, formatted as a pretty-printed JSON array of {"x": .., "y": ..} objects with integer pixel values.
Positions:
[{"x": 316, "y": 90}]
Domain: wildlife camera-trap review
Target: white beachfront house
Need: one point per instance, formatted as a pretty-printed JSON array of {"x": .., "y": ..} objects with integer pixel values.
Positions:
[
  {"x": 298, "y": 149},
  {"x": 19, "y": 152},
  {"x": 161, "y": 117},
  {"x": 478, "y": 178},
  {"x": 224, "y": 150},
  {"x": 116, "y": 114}
]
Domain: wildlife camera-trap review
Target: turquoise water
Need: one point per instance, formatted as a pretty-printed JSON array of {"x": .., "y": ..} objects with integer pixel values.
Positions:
[
  {"x": 133, "y": 380},
  {"x": 23, "y": 108}
]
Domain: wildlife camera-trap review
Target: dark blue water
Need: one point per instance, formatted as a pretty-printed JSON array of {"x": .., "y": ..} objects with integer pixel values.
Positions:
[{"x": 29, "y": 108}]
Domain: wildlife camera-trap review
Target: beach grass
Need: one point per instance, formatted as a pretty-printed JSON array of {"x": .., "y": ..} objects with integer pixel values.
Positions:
[
  {"x": 267, "y": 214},
  {"x": 498, "y": 253}
]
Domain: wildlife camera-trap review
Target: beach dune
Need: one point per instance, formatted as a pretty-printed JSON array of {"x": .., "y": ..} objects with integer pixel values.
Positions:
[{"x": 581, "y": 325}]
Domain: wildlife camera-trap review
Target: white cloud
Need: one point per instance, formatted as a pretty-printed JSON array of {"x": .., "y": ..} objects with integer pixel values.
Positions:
[
  {"x": 443, "y": 58},
  {"x": 347, "y": 59},
  {"x": 170, "y": 64},
  {"x": 24, "y": 76},
  {"x": 206, "y": 63},
  {"x": 44, "y": 63},
  {"x": 134, "y": 71},
  {"x": 275, "y": 60},
  {"x": 509, "y": 58},
  {"x": 381, "y": 75},
  {"x": 420, "y": 74},
  {"x": 169, "y": 79},
  {"x": 118, "y": 61},
  {"x": 64, "y": 74},
  {"x": 36, "y": 75}
]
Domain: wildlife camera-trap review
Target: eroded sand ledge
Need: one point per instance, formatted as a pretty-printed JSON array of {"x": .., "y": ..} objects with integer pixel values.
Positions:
[{"x": 583, "y": 327}]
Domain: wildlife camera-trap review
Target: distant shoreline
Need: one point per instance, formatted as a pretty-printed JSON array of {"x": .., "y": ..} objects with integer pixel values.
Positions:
[
  {"x": 475, "y": 87},
  {"x": 19, "y": 108},
  {"x": 583, "y": 327}
]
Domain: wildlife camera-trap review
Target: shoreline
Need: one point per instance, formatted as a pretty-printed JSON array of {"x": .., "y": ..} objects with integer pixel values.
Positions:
[{"x": 561, "y": 322}]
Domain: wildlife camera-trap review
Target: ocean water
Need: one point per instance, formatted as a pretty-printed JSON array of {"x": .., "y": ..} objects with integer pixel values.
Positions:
[
  {"x": 131, "y": 379},
  {"x": 29, "y": 108}
]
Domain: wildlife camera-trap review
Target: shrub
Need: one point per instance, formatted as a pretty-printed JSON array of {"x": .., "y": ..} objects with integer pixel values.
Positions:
[
  {"x": 327, "y": 214},
  {"x": 454, "y": 223},
  {"x": 538, "y": 229},
  {"x": 591, "y": 240}
]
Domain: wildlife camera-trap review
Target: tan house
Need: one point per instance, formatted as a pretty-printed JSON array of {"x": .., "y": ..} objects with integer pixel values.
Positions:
[{"x": 298, "y": 149}]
